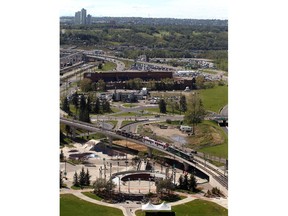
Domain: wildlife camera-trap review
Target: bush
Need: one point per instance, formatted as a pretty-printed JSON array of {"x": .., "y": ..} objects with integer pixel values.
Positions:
[{"x": 168, "y": 121}]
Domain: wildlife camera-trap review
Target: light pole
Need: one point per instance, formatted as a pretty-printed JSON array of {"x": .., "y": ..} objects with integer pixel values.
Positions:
[
  {"x": 100, "y": 171},
  {"x": 119, "y": 183},
  {"x": 104, "y": 168},
  {"x": 149, "y": 185},
  {"x": 110, "y": 169},
  {"x": 128, "y": 185}
]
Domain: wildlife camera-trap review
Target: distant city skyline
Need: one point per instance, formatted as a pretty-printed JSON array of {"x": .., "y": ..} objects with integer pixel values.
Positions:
[{"x": 181, "y": 9}]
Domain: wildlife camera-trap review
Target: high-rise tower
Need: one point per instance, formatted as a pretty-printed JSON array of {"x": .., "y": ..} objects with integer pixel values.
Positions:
[{"x": 83, "y": 16}]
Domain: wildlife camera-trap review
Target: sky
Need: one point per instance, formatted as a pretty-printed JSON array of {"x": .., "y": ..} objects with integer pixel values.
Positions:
[{"x": 191, "y": 9}]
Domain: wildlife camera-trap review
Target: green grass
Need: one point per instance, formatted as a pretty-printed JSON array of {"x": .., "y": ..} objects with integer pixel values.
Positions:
[
  {"x": 113, "y": 122},
  {"x": 215, "y": 98},
  {"x": 108, "y": 66},
  {"x": 79, "y": 188},
  {"x": 92, "y": 195},
  {"x": 71, "y": 205},
  {"x": 127, "y": 64},
  {"x": 126, "y": 122},
  {"x": 128, "y": 105},
  {"x": 196, "y": 208},
  {"x": 210, "y": 139}
]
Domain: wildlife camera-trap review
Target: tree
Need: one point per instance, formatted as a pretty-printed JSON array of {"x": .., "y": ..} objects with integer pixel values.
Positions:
[
  {"x": 185, "y": 182},
  {"x": 68, "y": 130},
  {"x": 103, "y": 186},
  {"x": 181, "y": 180},
  {"x": 199, "y": 82},
  {"x": 75, "y": 100},
  {"x": 61, "y": 155},
  {"x": 162, "y": 106},
  {"x": 75, "y": 179},
  {"x": 61, "y": 180},
  {"x": 97, "y": 106},
  {"x": 164, "y": 185},
  {"x": 192, "y": 183},
  {"x": 82, "y": 177},
  {"x": 100, "y": 66},
  {"x": 101, "y": 85},
  {"x": 82, "y": 103},
  {"x": 99, "y": 185},
  {"x": 183, "y": 103},
  {"x": 106, "y": 106},
  {"x": 85, "y": 85},
  {"x": 87, "y": 178},
  {"x": 65, "y": 106},
  {"x": 195, "y": 112}
]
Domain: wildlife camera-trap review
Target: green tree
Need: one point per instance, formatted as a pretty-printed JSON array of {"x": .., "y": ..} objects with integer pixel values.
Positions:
[
  {"x": 82, "y": 177},
  {"x": 192, "y": 183},
  {"x": 68, "y": 130},
  {"x": 100, "y": 66},
  {"x": 101, "y": 85},
  {"x": 97, "y": 106},
  {"x": 200, "y": 82},
  {"x": 181, "y": 180},
  {"x": 82, "y": 105},
  {"x": 183, "y": 103},
  {"x": 87, "y": 178},
  {"x": 195, "y": 112},
  {"x": 106, "y": 106},
  {"x": 99, "y": 186},
  {"x": 162, "y": 106},
  {"x": 185, "y": 182},
  {"x": 164, "y": 185},
  {"x": 61, "y": 155},
  {"x": 65, "y": 105},
  {"x": 61, "y": 180},
  {"x": 75, "y": 179},
  {"x": 85, "y": 85}
]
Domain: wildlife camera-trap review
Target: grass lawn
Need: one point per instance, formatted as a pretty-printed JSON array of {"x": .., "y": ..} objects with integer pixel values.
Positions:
[
  {"x": 126, "y": 122},
  {"x": 92, "y": 195},
  {"x": 210, "y": 138},
  {"x": 108, "y": 66},
  {"x": 196, "y": 208},
  {"x": 71, "y": 205},
  {"x": 215, "y": 98},
  {"x": 128, "y": 105}
]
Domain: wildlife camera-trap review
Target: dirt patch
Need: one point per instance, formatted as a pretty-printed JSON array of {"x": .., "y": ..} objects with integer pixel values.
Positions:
[
  {"x": 168, "y": 133},
  {"x": 130, "y": 145}
]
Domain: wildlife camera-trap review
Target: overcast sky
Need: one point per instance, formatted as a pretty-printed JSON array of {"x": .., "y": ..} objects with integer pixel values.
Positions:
[{"x": 194, "y": 9}]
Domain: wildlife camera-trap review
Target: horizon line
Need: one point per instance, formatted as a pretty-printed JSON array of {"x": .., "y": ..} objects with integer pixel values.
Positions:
[{"x": 150, "y": 17}]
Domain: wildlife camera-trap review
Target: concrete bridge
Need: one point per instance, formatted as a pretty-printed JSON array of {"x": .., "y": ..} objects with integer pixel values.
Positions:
[{"x": 216, "y": 178}]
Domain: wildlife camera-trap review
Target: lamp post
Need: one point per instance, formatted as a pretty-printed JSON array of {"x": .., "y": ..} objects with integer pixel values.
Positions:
[
  {"x": 100, "y": 171},
  {"x": 149, "y": 185},
  {"x": 110, "y": 169},
  {"x": 119, "y": 183},
  {"x": 104, "y": 168}
]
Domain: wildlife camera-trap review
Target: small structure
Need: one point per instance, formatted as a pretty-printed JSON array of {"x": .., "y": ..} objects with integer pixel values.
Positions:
[
  {"x": 184, "y": 128},
  {"x": 161, "y": 207}
]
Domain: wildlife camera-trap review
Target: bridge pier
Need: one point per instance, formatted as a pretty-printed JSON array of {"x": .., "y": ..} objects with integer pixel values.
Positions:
[
  {"x": 73, "y": 132},
  {"x": 149, "y": 152},
  {"x": 186, "y": 166},
  {"x": 110, "y": 141}
]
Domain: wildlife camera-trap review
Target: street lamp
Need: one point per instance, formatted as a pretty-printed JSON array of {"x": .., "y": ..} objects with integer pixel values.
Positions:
[
  {"x": 104, "y": 168},
  {"x": 149, "y": 185}
]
